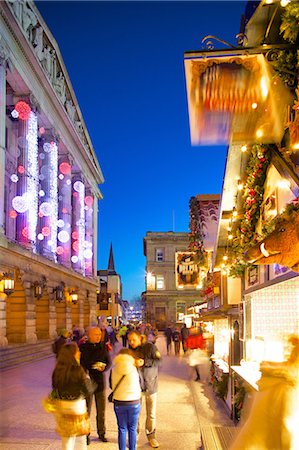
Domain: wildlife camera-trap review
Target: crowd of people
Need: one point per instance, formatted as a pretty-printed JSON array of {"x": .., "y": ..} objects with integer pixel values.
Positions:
[{"x": 82, "y": 359}]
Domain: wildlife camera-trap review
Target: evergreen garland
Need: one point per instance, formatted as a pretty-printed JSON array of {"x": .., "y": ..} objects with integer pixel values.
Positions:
[
  {"x": 195, "y": 236},
  {"x": 246, "y": 235}
]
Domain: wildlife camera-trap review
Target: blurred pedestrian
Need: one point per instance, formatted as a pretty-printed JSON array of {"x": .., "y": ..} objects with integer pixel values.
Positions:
[
  {"x": 168, "y": 336},
  {"x": 272, "y": 419},
  {"x": 149, "y": 375},
  {"x": 184, "y": 334},
  {"x": 96, "y": 360},
  {"x": 176, "y": 337},
  {"x": 63, "y": 338},
  {"x": 123, "y": 334},
  {"x": 70, "y": 385},
  {"x": 126, "y": 396}
]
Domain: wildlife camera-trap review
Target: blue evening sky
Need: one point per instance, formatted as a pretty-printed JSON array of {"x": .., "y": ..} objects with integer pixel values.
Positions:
[{"x": 125, "y": 61}]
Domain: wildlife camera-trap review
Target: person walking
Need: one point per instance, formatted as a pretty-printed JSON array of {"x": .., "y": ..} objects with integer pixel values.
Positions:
[
  {"x": 149, "y": 375},
  {"x": 168, "y": 336},
  {"x": 70, "y": 386},
  {"x": 176, "y": 337},
  {"x": 123, "y": 334},
  {"x": 184, "y": 334},
  {"x": 126, "y": 396},
  {"x": 95, "y": 360}
]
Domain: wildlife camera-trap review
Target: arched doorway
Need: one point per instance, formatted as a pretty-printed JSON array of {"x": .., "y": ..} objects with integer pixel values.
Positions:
[
  {"x": 16, "y": 315},
  {"x": 42, "y": 317}
]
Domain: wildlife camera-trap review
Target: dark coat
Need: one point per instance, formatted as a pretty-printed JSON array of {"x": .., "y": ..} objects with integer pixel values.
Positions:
[
  {"x": 77, "y": 385},
  {"x": 148, "y": 372},
  {"x": 92, "y": 353}
]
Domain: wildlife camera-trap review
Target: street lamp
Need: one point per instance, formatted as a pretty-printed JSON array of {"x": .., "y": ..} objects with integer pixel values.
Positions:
[{"x": 8, "y": 283}]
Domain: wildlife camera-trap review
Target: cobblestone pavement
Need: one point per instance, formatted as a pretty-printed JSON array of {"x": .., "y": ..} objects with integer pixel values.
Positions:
[{"x": 183, "y": 405}]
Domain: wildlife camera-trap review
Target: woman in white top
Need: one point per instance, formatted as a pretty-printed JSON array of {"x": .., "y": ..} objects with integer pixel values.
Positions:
[{"x": 126, "y": 396}]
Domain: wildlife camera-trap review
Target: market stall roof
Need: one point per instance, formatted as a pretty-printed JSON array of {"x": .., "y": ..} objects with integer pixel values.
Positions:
[{"x": 234, "y": 97}]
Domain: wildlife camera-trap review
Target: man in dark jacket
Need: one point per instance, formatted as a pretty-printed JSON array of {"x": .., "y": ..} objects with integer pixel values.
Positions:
[
  {"x": 149, "y": 376},
  {"x": 95, "y": 359}
]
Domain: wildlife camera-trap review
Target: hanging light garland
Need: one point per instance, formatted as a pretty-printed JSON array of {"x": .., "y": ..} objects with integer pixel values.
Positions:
[{"x": 195, "y": 236}]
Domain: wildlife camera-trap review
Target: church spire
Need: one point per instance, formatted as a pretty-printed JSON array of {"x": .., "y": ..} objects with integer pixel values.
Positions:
[{"x": 111, "y": 268}]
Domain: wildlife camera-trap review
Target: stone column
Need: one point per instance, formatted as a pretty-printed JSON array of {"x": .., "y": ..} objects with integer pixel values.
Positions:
[
  {"x": 48, "y": 195},
  {"x": 30, "y": 313},
  {"x": 78, "y": 224},
  {"x": 95, "y": 233},
  {"x": 52, "y": 311},
  {"x": 3, "y": 58},
  {"x": 89, "y": 232},
  {"x": 3, "y": 338},
  {"x": 64, "y": 212}
]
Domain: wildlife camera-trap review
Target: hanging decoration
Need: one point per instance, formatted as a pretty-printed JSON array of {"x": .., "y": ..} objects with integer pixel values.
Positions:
[
  {"x": 195, "y": 237},
  {"x": 23, "y": 110},
  {"x": 246, "y": 234}
]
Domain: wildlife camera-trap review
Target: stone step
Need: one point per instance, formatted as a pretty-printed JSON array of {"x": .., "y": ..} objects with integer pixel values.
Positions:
[{"x": 18, "y": 354}]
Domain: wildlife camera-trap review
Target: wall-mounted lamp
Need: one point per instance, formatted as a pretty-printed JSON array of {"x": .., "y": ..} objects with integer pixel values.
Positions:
[
  {"x": 38, "y": 287},
  {"x": 8, "y": 283},
  {"x": 59, "y": 292},
  {"x": 74, "y": 296}
]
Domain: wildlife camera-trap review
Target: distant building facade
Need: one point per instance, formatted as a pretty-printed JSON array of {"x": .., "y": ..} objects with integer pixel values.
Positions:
[
  {"x": 172, "y": 277},
  {"x": 49, "y": 177}
]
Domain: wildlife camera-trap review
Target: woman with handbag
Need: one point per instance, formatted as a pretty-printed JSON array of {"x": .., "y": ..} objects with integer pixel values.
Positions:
[
  {"x": 71, "y": 386},
  {"x": 126, "y": 396}
]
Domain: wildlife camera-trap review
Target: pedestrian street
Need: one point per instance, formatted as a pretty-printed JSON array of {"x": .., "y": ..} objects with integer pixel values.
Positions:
[{"x": 183, "y": 406}]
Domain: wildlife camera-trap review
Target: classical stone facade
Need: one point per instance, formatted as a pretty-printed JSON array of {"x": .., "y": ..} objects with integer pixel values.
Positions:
[
  {"x": 49, "y": 177},
  {"x": 173, "y": 279}
]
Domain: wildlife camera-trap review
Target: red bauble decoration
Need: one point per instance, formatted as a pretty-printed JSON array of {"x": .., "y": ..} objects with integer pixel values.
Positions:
[
  {"x": 75, "y": 246},
  {"x": 13, "y": 214},
  {"x": 21, "y": 169},
  {"x": 88, "y": 200},
  {"x": 75, "y": 235},
  {"x": 23, "y": 109},
  {"x": 46, "y": 231},
  {"x": 65, "y": 168},
  {"x": 59, "y": 250}
]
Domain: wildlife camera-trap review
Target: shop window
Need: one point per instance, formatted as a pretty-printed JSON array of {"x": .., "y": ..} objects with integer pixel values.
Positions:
[{"x": 180, "y": 311}]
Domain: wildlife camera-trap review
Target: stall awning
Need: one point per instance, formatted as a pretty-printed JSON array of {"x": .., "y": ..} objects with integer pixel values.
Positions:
[{"x": 235, "y": 98}]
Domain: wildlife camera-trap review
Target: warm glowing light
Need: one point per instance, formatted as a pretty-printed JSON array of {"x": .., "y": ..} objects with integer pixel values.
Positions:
[
  {"x": 284, "y": 184},
  {"x": 235, "y": 212},
  {"x": 284, "y": 3},
  {"x": 240, "y": 185},
  {"x": 225, "y": 258},
  {"x": 254, "y": 105},
  {"x": 230, "y": 236},
  {"x": 244, "y": 148},
  {"x": 259, "y": 133},
  {"x": 269, "y": 2},
  {"x": 264, "y": 87},
  {"x": 295, "y": 146}
]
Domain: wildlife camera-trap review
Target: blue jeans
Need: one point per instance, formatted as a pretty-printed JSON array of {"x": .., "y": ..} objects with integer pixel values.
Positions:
[{"x": 127, "y": 418}]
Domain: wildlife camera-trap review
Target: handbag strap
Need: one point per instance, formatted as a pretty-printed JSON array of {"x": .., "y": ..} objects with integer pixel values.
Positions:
[{"x": 117, "y": 384}]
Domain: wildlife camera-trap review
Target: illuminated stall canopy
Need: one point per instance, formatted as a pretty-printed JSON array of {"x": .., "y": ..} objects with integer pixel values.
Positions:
[{"x": 234, "y": 98}]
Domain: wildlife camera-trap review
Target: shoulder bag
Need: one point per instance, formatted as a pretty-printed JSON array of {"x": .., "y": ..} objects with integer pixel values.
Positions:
[{"x": 110, "y": 396}]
